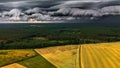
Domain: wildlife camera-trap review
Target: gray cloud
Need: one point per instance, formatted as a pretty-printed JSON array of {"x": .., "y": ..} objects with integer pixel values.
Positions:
[
  {"x": 15, "y": 13},
  {"x": 34, "y": 10},
  {"x": 109, "y": 10},
  {"x": 87, "y": 4},
  {"x": 54, "y": 9},
  {"x": 49, "y": 3},
  {"x": 28, "y": 3}
]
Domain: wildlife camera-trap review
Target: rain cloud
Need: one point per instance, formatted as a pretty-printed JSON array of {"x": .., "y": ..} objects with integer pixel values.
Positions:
[{"x": 57, "y": 9}]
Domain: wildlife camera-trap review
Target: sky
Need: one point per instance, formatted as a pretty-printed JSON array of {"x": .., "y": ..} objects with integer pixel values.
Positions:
[{"x": 56, "y": 9}]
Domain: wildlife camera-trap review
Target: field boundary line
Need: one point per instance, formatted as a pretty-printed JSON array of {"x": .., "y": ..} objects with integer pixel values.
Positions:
[{"x": 44, "y": 57}]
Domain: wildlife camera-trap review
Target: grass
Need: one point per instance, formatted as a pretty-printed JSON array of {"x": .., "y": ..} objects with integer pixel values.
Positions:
[
  {"x": 37, "y": 62},
  {"x": 11, "y": 56}
]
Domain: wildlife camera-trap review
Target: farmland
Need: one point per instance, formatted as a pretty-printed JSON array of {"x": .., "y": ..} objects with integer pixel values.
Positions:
[
  {"x": 102, "y": 55},
  {"x": 22, "y": 59},
  {"x": 99, "y": 55},
  {"x": 62, "y": 57},
  {"x": 37, "y": 62},
  {"x": 11, "y": 56}
]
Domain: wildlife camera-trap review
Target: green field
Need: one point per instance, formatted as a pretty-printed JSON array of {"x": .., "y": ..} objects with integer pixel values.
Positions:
[{"x": 37, "y": 62}]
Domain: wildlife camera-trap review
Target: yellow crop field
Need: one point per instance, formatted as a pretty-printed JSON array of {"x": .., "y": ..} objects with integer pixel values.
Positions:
[
  {"x": 61, "y": 56},
  {"x": 11, "y": 56},
  {"x": 14, "y": 65},
  {"x": 104, "y": 55}
]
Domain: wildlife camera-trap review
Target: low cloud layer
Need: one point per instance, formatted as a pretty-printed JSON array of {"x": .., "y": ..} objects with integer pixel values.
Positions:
[
  {"x": 57, "y": 10},
  {"x": 109, "y": 10}
]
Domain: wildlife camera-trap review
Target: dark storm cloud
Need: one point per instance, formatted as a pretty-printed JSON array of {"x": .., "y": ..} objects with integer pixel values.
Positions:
[
  {"x": 55, "y": 4},
  {"x": 28, "y": 3},
  {"x": 87, "y": 4},
  {"x": 54, "y": 9}
]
